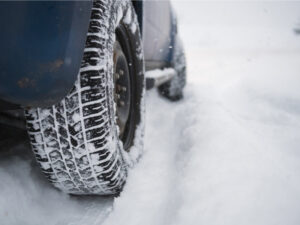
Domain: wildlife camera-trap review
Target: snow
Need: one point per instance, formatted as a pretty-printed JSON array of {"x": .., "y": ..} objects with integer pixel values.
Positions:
[{"x": 228, "y": 153}]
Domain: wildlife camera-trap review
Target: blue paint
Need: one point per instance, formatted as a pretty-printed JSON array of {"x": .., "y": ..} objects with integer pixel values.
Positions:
[{"x": 41, "y": 49}]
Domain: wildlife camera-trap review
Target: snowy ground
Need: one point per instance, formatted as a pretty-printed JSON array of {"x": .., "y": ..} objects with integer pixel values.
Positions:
[{"x": 229, "y": 153}]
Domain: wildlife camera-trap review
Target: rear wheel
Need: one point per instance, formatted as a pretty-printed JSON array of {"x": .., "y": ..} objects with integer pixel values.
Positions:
[
  {"x": 85, "y": 143},
  {"x": 173, "y": 89}
]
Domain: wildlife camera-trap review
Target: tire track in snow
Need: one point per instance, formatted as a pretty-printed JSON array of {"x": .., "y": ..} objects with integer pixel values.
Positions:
[
  {"x": 151, "y": 193},
  {"x": 156, "y": 188}
]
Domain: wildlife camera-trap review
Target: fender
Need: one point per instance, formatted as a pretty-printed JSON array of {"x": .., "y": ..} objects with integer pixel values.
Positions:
[{"x": 41, "y": 48}]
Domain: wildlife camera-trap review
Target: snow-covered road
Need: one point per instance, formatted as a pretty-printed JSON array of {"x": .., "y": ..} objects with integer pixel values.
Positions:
[{"x": 229, "y": 153}]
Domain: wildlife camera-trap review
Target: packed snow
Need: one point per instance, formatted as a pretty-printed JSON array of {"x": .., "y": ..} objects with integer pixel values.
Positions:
[{"x": 228, "y": 153}]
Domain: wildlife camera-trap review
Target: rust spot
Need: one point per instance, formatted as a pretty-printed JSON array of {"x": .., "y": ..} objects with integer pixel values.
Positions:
[
  {"x": 42, "y": 68},
  {"x": 26, "y": 83},
  {"x": 50, "y": 66},
  {"x": 57, "y": 64}
]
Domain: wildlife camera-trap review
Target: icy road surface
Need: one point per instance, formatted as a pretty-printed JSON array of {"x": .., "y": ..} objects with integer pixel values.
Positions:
[{"x": 228, "y": 154}]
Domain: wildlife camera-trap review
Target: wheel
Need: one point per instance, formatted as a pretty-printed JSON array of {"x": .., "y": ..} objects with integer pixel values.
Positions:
[
  {"x": 173, "y": 90},
  {"x": 85, "y": 143}
]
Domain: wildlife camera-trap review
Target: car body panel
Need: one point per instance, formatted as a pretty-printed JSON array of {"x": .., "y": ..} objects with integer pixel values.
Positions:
[{"x": 157, "y": 31}]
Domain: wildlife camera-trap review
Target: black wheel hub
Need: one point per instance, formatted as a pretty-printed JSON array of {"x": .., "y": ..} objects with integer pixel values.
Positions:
[{"x": 122, "y": 87}]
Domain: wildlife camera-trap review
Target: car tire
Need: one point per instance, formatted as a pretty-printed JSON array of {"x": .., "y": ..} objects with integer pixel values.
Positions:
[
  {"x": 77, "y": 142},
  {"x": 173, "y": 89}
]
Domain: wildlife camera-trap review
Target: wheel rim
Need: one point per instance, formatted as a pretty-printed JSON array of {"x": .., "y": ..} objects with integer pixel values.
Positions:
[{"x": 124, "y": 87}]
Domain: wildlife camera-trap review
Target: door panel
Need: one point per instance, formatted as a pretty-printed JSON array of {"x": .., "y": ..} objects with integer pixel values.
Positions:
[{"x": 157, "y": 30}]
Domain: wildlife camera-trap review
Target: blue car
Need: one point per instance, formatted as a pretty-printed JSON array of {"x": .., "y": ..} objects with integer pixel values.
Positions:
[{"x": 79, "y": 70}]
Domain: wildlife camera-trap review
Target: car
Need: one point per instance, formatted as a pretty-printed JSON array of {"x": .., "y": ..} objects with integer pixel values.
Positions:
[{"x": 79, "y": 70}]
